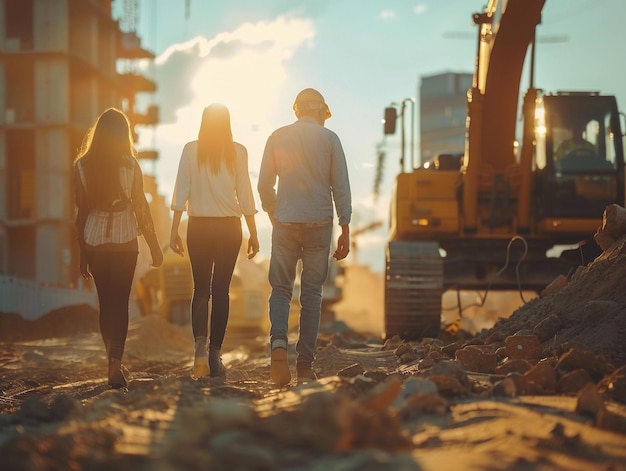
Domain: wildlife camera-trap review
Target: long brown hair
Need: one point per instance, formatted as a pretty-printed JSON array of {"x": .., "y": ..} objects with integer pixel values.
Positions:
[
  {"x": 104, "y": 147},
  {"x": 215, "y": 139}
]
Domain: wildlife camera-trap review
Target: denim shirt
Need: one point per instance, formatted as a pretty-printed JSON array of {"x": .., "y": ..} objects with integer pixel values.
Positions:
[{"x": 308, "y": 161}]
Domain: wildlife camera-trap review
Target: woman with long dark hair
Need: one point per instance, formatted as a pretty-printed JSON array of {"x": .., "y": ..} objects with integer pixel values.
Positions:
[
  {"x": 213, "y": 186},
  {"x": 112, "y": 212}
]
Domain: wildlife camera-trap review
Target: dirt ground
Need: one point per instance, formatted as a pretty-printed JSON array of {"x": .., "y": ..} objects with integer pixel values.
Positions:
[{"x": 535, "y": 386}]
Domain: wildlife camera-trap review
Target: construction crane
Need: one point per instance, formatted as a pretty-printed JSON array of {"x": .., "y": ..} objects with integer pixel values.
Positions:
[{"x": 130, "y": 11}]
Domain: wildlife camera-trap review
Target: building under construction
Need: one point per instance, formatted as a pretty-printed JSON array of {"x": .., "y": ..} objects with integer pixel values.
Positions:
[
  {"x": 59, "y": 69},
  {"x": 443, "y": 111}
]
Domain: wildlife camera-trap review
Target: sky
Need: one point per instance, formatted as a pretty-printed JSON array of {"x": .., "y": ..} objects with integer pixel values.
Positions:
[{"x": 256, "y": 55}]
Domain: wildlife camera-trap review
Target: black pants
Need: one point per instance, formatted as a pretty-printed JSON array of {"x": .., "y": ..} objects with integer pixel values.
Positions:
[
  {"x": 213, "y": 245},
  {"x": 113, "y": 274}
]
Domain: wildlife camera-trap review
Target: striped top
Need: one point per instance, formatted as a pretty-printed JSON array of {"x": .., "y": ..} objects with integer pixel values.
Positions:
[{"x": 98, "y": 227}]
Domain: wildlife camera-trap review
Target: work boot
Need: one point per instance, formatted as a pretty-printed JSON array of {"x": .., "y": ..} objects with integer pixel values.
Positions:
[
  {"x": 215, "y": 362},
  {"x": 200, "y": 360},
  {"x": 117, "y": 378},
  {"x": 305, "y": 374},
  {"x": 279, "y": 367}
]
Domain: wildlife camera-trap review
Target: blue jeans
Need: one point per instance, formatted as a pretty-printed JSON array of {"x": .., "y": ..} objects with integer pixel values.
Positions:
[{"x": 311, "y": 244}]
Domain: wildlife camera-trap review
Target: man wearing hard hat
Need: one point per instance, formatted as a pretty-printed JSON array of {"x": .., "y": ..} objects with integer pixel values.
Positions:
[{"x": 303, "y": 173}]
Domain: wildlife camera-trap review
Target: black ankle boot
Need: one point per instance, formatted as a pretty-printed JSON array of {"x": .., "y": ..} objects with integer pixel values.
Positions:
[{"x": 216, "y": 366}]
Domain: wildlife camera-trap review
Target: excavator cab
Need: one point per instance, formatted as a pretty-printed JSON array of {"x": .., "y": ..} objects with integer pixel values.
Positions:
[{"x": 580, "y": 161}]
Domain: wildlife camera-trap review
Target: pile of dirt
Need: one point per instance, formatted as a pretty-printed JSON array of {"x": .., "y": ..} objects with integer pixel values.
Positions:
[
  {"x": 589, "y": 312},
  {"x": 152, "y": 337},
  {"x": 63, "y": 322}
]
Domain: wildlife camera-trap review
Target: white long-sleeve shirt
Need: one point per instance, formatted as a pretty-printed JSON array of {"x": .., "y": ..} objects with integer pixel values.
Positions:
[{"x": 205, "y": 195}]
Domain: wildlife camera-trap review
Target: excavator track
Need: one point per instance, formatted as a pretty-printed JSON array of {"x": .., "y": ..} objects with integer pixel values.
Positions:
[{"x": 413, "y": 289}]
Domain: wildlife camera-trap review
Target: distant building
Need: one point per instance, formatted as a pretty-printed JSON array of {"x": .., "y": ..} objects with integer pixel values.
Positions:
[
  {"x": 442, "y": 113},
  {"x": 58, "y": 71}
]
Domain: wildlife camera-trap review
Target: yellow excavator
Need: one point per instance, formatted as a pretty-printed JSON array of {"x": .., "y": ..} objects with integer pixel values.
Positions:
[{"x": 489, "y": 220}]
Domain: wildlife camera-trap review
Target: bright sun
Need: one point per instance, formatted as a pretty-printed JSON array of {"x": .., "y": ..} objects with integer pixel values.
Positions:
[{"x": 245, "y": 70}]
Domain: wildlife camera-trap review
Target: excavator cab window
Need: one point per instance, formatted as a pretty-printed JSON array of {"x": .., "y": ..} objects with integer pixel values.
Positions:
[
  {"x": 577, "y": 144},
  {"x": 581, "y": 178}
]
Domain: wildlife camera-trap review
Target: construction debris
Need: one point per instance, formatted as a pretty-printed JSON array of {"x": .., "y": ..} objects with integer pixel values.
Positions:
[{"x": 544, "y": 386}]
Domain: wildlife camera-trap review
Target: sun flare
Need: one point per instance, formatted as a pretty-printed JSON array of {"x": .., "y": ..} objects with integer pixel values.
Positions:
[{"x": 244, "y": 69}]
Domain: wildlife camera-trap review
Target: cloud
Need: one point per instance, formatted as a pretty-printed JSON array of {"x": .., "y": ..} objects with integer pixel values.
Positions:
[
  {"x": 420, "y": 8},
  {"x": 387, "y": 14},
  {"x": 246, "y": 69},
  {"x": 241, "y": 57}
]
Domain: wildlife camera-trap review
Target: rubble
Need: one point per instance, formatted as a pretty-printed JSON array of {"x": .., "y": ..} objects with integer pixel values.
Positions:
[{"x": 544, "y": 385}]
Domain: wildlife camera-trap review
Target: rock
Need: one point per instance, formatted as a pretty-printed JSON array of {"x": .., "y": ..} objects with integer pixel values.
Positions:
[
  {"x": 420, "y": 386},
  {"x": 416, "y": 406},
  {"x": 495, "y": 337},
  {"x": 501, "y": 353},
  {"x": 589, "y": 401},
  {"x": 238, "y": 449},
  {"x": 417, "y": 397},
  {"x": 596, "y": 310},
  {"x": 323, "y": 422},
  {"x": 576, "y": 358},
  {"x": 406, "y": 353},
  {"x": 547, "y": 328},
  {"x": 351, "y": 371},
  {"x": 39, "y": 451},
  {"x": 573, "y": 381},
  {"x": 450, "y": 349},
  {"x": 554, "y": 286},
  {"x": 523, "y": 346},
  {"x": 505, "y": 387},
  {"x": 477, "y": 359},
  {"x": 448, "y": 368},
  {"x": 62, "y": 406},
  {"x": 376, "y": 376},
  {"x": 543, "y": 377},
  {"x": 393, "y": 343},
  {"x": 436, "y": 354},
  {"x": 449, "y": 386},
  {"x": 34, "y": 410},
  {"x": 426, "y": 363},
  {"x": 450, "y": 378},
  {"x": 614, "y": 385},
  {"x": 523, "y": 386},
  {"x": 614, "y": 220},
  {"x": 604, "y": 239},
  {"x": 516, "y": 365},
  {"x": 383, "y": 394}
]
